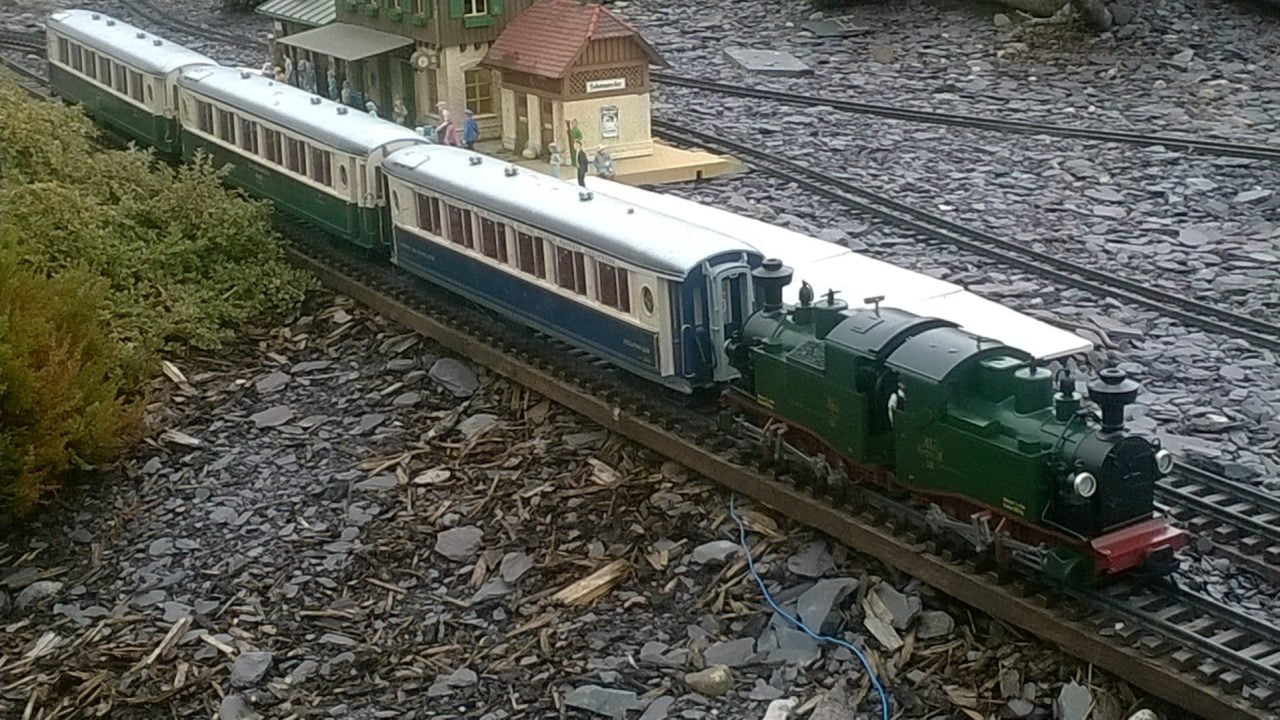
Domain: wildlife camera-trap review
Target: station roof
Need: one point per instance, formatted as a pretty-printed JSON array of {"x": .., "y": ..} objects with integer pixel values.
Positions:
[
  {"x": 548, "y": 38},
  {"x": 346, "y": 42},
  {"x": 304, "y": 12}
]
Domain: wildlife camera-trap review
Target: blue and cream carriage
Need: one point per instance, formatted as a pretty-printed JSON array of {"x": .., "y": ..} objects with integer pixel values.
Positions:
[{"x": 654, "y": 295}]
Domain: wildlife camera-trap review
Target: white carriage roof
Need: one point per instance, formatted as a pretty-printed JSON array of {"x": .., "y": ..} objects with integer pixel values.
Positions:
[
  {"x": 857, "y": 277},
  {"x": 329, "y": 123},
  {"x": 144, "y": 51},
  {"x": 614, "y": 227},
  {"x": 346, "y": 42}
]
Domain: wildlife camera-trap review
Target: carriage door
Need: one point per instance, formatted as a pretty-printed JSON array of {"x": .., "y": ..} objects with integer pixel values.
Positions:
[{"x": 728, "y": 303}]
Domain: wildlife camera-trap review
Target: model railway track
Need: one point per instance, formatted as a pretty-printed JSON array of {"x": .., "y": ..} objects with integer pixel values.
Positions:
[
  {"x": 1239, "y": 522},
  {"x": 1158, "y": 657},
  {"x": 1209, "y": 673},
  {"x": 936, "y": 228},
  {"x": 160, "y": 17},
  {"x": 22, "y": 41},
  {"x": 1196, "y": 145}
]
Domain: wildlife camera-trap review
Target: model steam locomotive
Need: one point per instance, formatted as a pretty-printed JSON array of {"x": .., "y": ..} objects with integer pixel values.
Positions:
[{"x": 971, "y": 427}]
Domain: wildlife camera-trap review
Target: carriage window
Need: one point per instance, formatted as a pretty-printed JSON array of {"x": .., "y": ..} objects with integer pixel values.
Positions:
[
  {"x": 272, "y": 150},
  {"x": 613, "y": 286},
  {"x": 456, "y": 234},
  {"x": 529, "y": 255},
  {"x": 226, "y": 126},
  {"x": 493, "y": 239},
  {"x": 64, "y": 51},
  {"x": 249, "y": 135},
  {"x": 204, "y": 116},
  {"x": 321, "y": 167},
  {"x": 75, "y": 57},
  {"x": 122, "y": 78},
  {"x": 295, "y": 155},
  {"x": 104, "y": 72},
  {"x": 135, "y": 86},
  {"x": 571, "y": 270},
  {"x": 429, "y": 214}
]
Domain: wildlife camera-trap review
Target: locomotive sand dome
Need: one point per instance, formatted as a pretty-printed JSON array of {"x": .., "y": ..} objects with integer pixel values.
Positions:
[{"x": 968, "y": 425}]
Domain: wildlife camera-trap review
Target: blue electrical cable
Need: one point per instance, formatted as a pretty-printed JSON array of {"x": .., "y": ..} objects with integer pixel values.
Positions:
[{"x": 751, "y": 566}]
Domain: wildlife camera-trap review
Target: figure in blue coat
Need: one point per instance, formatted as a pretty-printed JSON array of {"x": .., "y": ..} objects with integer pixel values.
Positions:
[{"x": 470, "y": 131}]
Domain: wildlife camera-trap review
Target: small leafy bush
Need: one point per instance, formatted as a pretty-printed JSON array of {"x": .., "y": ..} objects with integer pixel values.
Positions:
[
  {"x": 64, "y": 400},
  {"x": 177, "y": 261}
]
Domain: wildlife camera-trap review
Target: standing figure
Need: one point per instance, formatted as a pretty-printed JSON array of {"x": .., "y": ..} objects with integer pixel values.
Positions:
[
  {"x": 580, "y": 160},
  {"x": 288, "y": 70},
  {"x": 399, "y": 113},
  {"x": 470, "y": 131},
  {"x": 306, "y": 75},
  {"x": 332, "y": 77},
  {"x": 346, "y": 92},
  {"x": 279, "y": 74},
  {"x": 371, "y": 108},
  {"x": 575, "y": 141},
  {"x": 604, "y": 163},
  {"x": 556, "y": 160},
  {"x": 268, "y": 69}
]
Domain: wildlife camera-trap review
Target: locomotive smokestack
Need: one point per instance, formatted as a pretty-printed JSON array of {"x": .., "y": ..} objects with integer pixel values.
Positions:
[
  {"x": 769, "y": 279},
  {"x": 1112, "y": 391}
]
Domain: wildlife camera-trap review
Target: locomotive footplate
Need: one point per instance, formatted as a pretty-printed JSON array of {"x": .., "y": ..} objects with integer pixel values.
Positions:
[{"x": 1132, "y": 546}]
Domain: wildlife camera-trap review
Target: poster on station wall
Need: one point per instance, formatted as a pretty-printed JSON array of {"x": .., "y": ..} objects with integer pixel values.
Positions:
[{"x": 609, "y": 121}]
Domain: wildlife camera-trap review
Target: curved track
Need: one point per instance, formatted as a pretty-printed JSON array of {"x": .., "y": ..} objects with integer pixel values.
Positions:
[
  {"x": 165, "y": 18},
  {"x": 936, "y": 228},
  {"x": 22, "y": 41},
  {"x": 1196, "y": 145}
]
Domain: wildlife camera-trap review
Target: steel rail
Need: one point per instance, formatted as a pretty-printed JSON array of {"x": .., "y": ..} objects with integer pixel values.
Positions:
[
  {"x": 939, "y": 229},
  {"x": 1212, "y": 147},
  {"x": 1242, "y": 526},
  {"x": 17, "y": 40}
]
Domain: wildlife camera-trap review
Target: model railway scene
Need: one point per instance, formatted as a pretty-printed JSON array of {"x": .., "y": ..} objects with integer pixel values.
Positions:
[{"x": 539, "y": 358}]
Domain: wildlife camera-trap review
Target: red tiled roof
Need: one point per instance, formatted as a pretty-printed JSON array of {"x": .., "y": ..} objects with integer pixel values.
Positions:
[{"x": 547, "y": 38}]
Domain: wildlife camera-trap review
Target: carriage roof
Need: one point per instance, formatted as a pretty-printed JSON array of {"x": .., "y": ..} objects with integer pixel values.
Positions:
[
  {"x": 632, "y": 234},
  {"x": 134, "y": 46},
  {"x": 329, "y": 123}
]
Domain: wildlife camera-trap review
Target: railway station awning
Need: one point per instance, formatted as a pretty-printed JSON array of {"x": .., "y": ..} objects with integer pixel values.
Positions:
[
  {"x": 303, "y": 12},
  {"x": 346, "y": 42}
]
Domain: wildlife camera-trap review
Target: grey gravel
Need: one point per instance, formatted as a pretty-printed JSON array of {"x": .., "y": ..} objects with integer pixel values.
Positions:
[
  {"x": 459, "y": 544},
  {"x": 602, "y": 701},
  {"x": 249, "y": 668},
  {"x": 716, "y": 551},
  {"x": 713, "y": 681}
]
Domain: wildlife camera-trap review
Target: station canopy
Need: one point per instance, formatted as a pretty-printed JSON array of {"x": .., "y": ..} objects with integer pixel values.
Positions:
[
  {"x": 346, "y": 42},
  {"x": 304, "y": 12}
]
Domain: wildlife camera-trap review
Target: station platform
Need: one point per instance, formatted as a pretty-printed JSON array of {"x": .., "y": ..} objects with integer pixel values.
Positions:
[{"x": 667, "y": 164}]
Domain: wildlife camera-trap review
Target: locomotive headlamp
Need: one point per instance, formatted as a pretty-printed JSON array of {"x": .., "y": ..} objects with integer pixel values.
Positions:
[
  {"x": 1085, "y": 484},
  {"x": 1164, "y": 461}
]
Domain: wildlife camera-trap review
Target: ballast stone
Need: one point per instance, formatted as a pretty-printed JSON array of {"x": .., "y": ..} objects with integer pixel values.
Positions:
[
  {"x": 602, "y": 701},
  {"x": 714, "y": 681},
  {"x": 714, "y": 551},
  {"x": 768, "y": 62}
]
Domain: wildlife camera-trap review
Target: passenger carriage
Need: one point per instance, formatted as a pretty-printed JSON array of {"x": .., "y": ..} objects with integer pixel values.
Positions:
[
  {"x": 123, "y": 76},
  {"x": 315, "y": 158},
  {"x": 825, "y": 265},
  {"x": 654, "y": 295}
]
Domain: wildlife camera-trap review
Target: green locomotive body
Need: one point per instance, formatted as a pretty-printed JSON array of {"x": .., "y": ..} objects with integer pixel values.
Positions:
[{"x": 968, "y": 424}]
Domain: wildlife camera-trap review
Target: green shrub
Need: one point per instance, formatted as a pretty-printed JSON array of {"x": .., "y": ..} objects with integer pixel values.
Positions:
[
  {"x": 63, "y": 398},
  {"x": 176, "y": 260}
]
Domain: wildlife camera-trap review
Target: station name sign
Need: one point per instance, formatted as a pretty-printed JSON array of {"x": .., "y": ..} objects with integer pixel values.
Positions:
[{"x": 606, "y": 85}]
